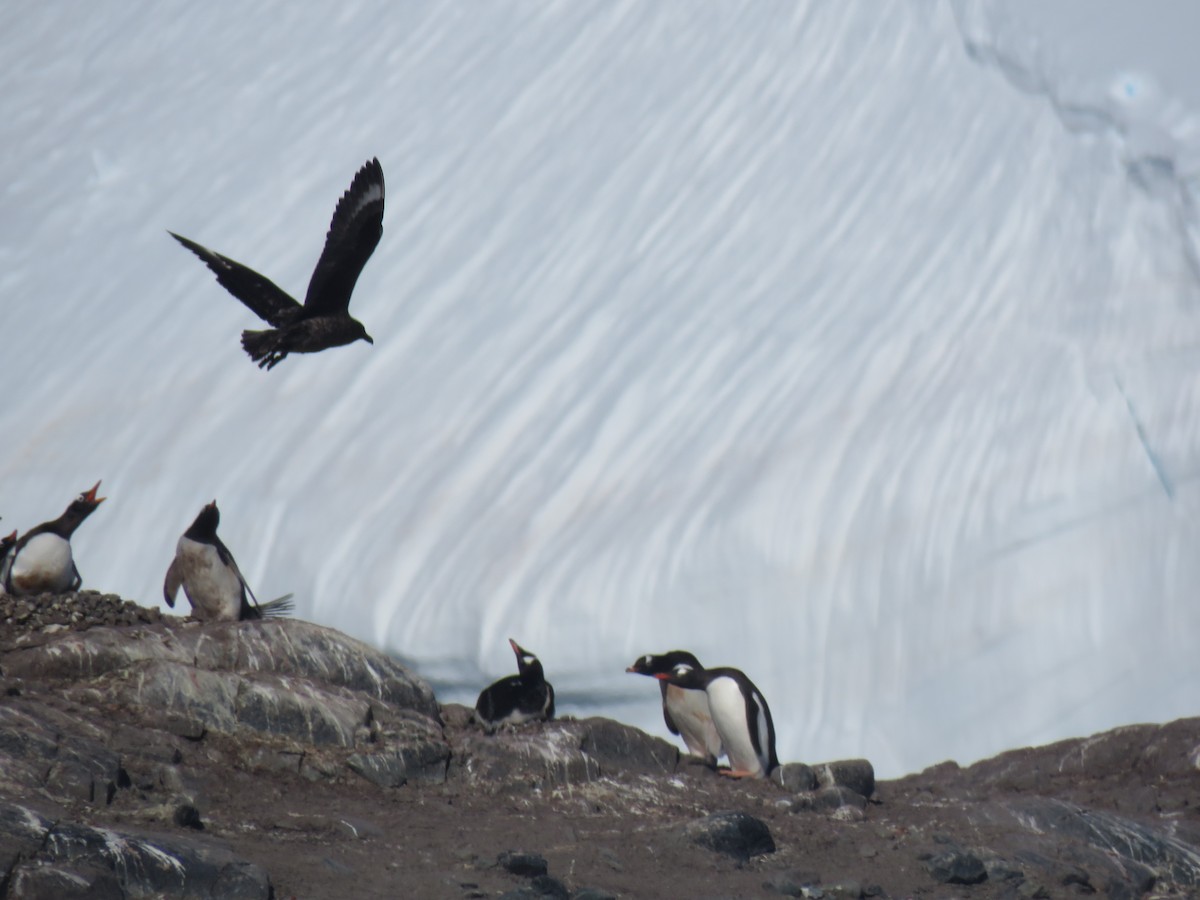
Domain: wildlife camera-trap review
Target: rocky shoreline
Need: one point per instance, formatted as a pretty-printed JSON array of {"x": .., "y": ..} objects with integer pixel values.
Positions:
[{"x": 145, "y": 756}]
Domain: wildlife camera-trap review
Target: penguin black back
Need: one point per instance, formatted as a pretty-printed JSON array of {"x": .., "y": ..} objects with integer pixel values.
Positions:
[
  {"x": 524, "y": 697},
  {"x": 64, "y": 526},
  {"x": 740, "y": 713}
]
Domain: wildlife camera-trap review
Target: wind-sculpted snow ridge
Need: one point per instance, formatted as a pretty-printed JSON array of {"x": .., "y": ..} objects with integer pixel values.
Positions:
[{"x": 790, "y": 335}]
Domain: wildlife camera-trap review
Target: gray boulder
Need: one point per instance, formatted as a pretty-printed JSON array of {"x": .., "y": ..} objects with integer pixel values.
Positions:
[
  {"x": 52, "y": 859},
  {"x": 292, "y": 690},
  {"x": 556, "y": 753}
]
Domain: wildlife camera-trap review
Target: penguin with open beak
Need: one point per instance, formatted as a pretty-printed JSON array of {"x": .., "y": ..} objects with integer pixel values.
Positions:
[{"x": 40, "y": 561}]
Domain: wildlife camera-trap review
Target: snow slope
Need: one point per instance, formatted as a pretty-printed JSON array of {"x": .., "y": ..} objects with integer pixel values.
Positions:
[{"x": 850, "y": 344}]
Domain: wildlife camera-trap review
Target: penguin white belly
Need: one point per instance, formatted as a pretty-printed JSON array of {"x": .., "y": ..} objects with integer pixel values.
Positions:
[
  {"x": 43, "y": 565},
  {"x": 728, "y": 708},
  {"x": 690, "y": 713},
  {"x": 213, "y": 588}
]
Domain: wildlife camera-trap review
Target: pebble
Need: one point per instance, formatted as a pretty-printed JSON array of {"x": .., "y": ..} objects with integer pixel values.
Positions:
[
  {"x": 55, "y": 613},
  {"x": 528, "y": 865}
]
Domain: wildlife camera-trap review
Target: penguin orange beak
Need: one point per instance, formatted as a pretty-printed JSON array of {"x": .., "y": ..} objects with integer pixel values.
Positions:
[
  {"x": 91, "y": 497},
  {"x": 515, "y": 647},
  {"x": 13, "y": 536},
  {"x": 630, "y": 669}
]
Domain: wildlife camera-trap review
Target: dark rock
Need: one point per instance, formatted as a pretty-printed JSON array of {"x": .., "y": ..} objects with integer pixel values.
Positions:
[
  {"x": 526, "y": 865},
  {"x": 142, "y": 864},
  {"x": 287, "y": 679},
  {"x": 856, "y": 774},
  {"x": 591, "y": 893},
  {"x": 836, "y": 796},
  {"x": 423, "y": 749},
  {"x": 1077, "y": 876},
  {"x": 832, "y": 799},
  {"x": 735, "y": 834},
  {"x": 277, "y": 647},
  {"x": 70, "y": 782},
  {"x": 22, "y": 832},
  {"x": 187, "y": 816},
  {"x": 956, "y": 867},
  {"x": 43, "y": 748},
  {"x": 38, "y": 881},
  {"x": 795, "y": 777},
  {"x": 186, "y": 727},
  {"x": 1107, "y": 843},
  {"x": 546, "y": 886},
  {"x": 622, "y": 748},
  {"x": 543, "y": 754},
  {"x": 999, "y": 870},
  {"x": 561, "y": 752},
  {"x": 383, "y": 769}
]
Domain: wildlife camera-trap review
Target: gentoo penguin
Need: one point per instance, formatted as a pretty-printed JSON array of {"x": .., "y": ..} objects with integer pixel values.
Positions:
[
  {"x": 40, "y": 561},
  {"x": 524, "y": 697},
  {"x": 6, "y": 544},
  {"x": 324, "y": 320},
  {"x": 211, "y": 579},
  {"x": 740, "y": 713},
  {"x": 684, "y": 710}
]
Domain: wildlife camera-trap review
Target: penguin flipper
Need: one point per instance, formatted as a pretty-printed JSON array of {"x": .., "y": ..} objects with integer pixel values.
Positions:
[
  {"x": 172, "y": 583},
  {"x": 227, "y": 558},
  {"x": 76, "y": 580},
  {"x": 671, "y": 726}
]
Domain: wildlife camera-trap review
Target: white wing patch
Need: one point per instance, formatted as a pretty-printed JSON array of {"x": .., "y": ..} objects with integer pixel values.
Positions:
[{"x": 371, "y": 195}]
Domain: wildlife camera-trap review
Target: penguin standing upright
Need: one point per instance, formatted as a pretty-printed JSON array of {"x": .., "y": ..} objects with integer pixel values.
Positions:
[
  {"x": 740, "y": 713},
  {"x": 685, "y": 710},
  {"x": 6, "y": 544},
  {"x": 40, "y": 561},
  {"x": 210, "y": 577},
  {"x": 524, "y": 697}
]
